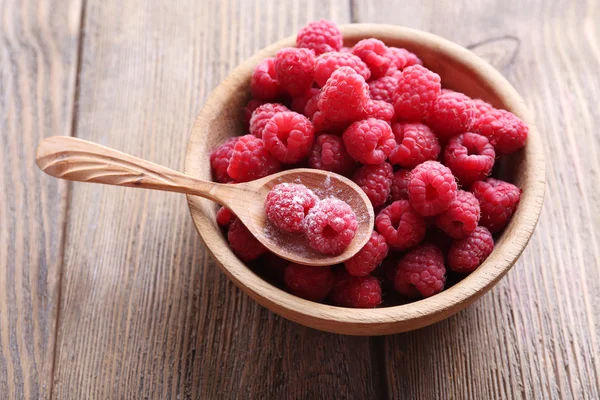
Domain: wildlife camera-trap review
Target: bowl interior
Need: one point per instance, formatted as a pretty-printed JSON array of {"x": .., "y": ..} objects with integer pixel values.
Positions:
[{"x": 459, "y": 69}]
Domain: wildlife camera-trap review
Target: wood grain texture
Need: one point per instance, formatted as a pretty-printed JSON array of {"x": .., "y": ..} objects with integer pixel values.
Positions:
[
  {"x": 536, "y": 334},
  {"x": 38, "y": 58}
]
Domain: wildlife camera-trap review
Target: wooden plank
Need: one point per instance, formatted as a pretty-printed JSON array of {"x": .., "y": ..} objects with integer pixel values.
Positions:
[
  {"x": 536, "y": 334},
  {"x": 145, "y": 311},
  {"x": 38, "y": 58}
]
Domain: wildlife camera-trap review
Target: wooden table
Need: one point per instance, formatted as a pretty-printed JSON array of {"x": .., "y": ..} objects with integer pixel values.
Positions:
[{"x": 109, "y": 293}]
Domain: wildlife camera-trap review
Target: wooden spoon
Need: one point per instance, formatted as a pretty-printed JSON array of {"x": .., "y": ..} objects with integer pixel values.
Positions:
[{"x": 79, "y": 160}]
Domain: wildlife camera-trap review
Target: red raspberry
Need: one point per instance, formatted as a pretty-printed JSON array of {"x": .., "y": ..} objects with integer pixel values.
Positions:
[
  {"x": 356, "y": 291},
  {"x": 299, "y": 102},
  {"x": 219, "y": 160},
  {"x": 287, "y": 204},
  {"x": 243, "y": 243},
  {"x": 416, "y": 143},
  {"x": 369, "y": 257},
  {"x": 401, "y": 226},
  {"x": 450, "y": 114},
  {"x": 374, "y": 53},
  {"x": 326, "y": 63},
  {"x": 262, "y": 115},
  {"x": 369, "y": 141},
  {"x": 403, "y": 58},
  {"x": 498, "y": 201},
  {"x": 320, "y": 36},
  {"x": 461, "y": 217},
  {"x": 421, "y": 272},
  {"x": 330, "y": 226},
  {"x": 375, "y": 181},
  {"x": 263, "y": 84},
  {"x": 399, "y": 189},
  {"x": 344, "y": 97},
  {"x": 384, "y": 88},
  {"x": 379, "y": 109},
  {"x": 481, "y": 107},
  {"x": 328, "y": 153},
  {"x": 345, "y": 49},
  {"x": 312, "y": 106},
  {"x": 289, "y": 137},
  {"x": 322, "y": 124},
  {"x": 431, "y": 188},
  {"x": 294, "y": 69},
  {"x": 506, "y": 132},
  {"x": 225, "y": 216},
  {"x": 417, "y": 89},
  {"x": 251, "y": 160},
  {"x": 467, "y": 254},
  {"x": 252, "y": 105},
  {"x": 470, "y": 157},
  {"x": 310, "y": 283}
]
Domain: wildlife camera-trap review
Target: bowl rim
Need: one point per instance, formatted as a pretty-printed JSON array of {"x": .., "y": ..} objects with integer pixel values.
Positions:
[{"x": 404, "y": 317}]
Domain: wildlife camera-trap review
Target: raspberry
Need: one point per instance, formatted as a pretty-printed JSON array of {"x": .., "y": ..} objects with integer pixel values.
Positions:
[
  {"x": 310, "y": 283},
  {"x": 320, "y": 36},
  {"x": 330, "y": 226},
  {"x": 467, "y": 254},
  {"x": 401, "y": 226},
  {"x": 299, "y": 102},
  {"x": 328, "y": 153},
  {"x": 421, "y": 272},
  {"x": 498, "y": 201},
  {"x": 470, "y": 157},
  {"x": 374, "y": 53},
  {"x": 262, "y": 114},
  {"x": 403, "y": 58},
  {"x": 431, "y": 188},
  {"x": 461, "y": 217},
  {"x": 326, "y": 63},
  {"x": 294, "y": 69},
  {"x": 225, "y": 216},
  {"x": 252, "y": 105},
  {"x": 417, "y": 89},
  {"x": 219, "y": 160},
  {"x": 289, "y": 137},
  {"x": 273, "y": 266},
  {"x": 379, "y": 109},
  {"x": 287, "y": 204},
  {"x": 375, "y": 181},
  {"x": 344, "y": 96},
  {"x": 383, "y": 88},
  {"x": 356, "y": 291},
  {"x": 369, "y": 141},
  {"x": 506, "y": 132},
  {"x": 322, "y": 124},
  {"x": 416, "y": 143},
  {"x": 369, "y": 257},
  {"x": 345, "y": 49},
  {"x": 243, "y": 243},
  {"x": 263, "y": 84},
  {"x": 481, "y": 107},
  {"x": 399, "y": 189},
  {"x": 251, "y": 160},
  {"x": 450, "y": 114},
  {"x": 312, "y": 106}
]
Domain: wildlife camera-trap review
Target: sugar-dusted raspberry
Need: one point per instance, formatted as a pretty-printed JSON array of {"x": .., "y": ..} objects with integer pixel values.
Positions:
[
  {"x": 421, "y": 272},
  {"x": 320, "y": 36},
  {"x": 450, "y": 114},
  {"x": 262, "y": 114},
  {"x": 399, "y": 189},
  {"x": 225, "y": 216},
  {"x": 324, "y": 125},
  {"x": 243, "y": 243},
  {"x": 375, "y": 181},
  {"x": 310, "y": 283},
  {"x": 374, "y": 53},
  {"x": 431, "y": 188},
  {"x": 481, "y": 107},
  {"x": 326, "y": 63},
  {"x": 330, "y": 226},
  {"x": 401, "y": 226},
  {"x": 251, "y": 160},
  {"x": 294, "y": 69},
  {"x": 470, "y": 157},
  {"x": 506, "y": 132},
  {"x": 498, "y": 201},
  {"x": 252, "y": 105},
  {"x": 329, "y": 154},
  {"x": 344, "y": 97},
  {"x": 467, "y": 254},
  {"x": 461, "y": 217},
  {"x": 417, "y": 89},
  {"x": 356, "y": 291},
  {"x": 369, "y": 257},
  {"x": 219, "y": 160},
  {"x": 299, "y": 102},
  {"x": 383, "y": 88},
  {"x": 403, "y": 58},
  {"x": 416, "y": 143},
  {"x": 379, "y": 109},
  {"x": 263, "y": 84},
  {"x": 287, "y": 204},
  {"x": 369, "y": 141},
  {"x": 289, "y": 137}
]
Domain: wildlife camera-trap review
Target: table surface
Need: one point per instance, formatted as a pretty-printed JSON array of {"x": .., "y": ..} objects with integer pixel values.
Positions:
[{"x": 108, "y": 292}]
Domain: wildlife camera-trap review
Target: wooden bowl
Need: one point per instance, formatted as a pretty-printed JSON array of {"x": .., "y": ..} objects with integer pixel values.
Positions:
[{"x": 459, "y": 69}]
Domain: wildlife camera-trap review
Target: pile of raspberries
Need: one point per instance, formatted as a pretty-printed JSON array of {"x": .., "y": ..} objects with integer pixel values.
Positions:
[{"x": 422, "y": 154}]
